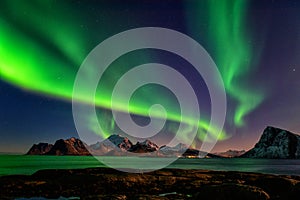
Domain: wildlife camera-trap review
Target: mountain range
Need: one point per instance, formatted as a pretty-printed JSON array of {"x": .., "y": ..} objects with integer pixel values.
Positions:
[
  {"x": 114, "y": 145},
  {"x": 274, "y": 143}
]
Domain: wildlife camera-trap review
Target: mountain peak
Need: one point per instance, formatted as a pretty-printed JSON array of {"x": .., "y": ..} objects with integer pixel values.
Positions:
[
  {"x": 71, "y": 146},
  {"x": 39, "y": 149},
  {"x": 144, "y": 147},
  {"x": 114, "y": 143},
  {"x": 122, "y": 142},
  {"x": 276, "y": 143}
]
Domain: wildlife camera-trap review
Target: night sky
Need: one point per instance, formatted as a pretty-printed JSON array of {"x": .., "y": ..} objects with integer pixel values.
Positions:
[{"x": 255, "y": 45}]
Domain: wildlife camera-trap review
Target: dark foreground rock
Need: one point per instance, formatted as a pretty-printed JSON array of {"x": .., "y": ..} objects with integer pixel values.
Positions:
[{"x": 104, "y": 183}]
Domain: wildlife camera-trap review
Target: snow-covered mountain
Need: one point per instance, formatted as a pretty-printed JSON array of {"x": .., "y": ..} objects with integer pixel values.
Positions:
[
  {"x": 114, "y": 143},
  {"x": 176, "y": 151},
  {"x": 183, "y": 150},
  {"x": 178, "y": 148},
  {"x": 144, "y": 147},
  {"x": 275, "y": 143}
]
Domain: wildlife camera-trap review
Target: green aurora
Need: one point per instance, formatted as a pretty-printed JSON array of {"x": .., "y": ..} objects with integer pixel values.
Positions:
[
  {"x": 46, "y": 58},
  {"x": 234, "y": 53}
]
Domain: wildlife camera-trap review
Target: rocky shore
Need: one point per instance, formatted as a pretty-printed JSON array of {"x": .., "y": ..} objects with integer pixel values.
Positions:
[{"x": 105, "y": 183}]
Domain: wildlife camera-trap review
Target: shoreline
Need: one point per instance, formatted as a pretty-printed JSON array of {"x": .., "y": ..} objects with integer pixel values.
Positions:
[{"x": 107, "y": 183}]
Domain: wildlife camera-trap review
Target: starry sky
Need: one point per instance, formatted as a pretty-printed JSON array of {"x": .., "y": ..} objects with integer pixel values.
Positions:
[{"x": 255, "y": 45}]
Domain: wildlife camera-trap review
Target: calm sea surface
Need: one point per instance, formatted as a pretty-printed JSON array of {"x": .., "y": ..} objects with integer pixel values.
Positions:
[{"x": 20, "y": 164}]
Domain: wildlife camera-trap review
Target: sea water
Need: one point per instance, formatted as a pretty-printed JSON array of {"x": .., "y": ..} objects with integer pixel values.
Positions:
[{"x": 25, "y": 164}]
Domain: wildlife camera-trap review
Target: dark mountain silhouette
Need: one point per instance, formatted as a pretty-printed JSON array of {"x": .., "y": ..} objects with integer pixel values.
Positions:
[
  {"x": 72, "y": 146},
  {"x": 39, "y": 149},
  {"x": 275, "y": 143}
]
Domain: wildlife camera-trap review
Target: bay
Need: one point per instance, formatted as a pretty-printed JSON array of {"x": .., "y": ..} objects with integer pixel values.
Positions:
[{"x": 26, "y": 165}]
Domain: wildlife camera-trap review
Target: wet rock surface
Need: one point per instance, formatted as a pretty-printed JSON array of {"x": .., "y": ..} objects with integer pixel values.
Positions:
[{"x": 104, "y": 183}]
